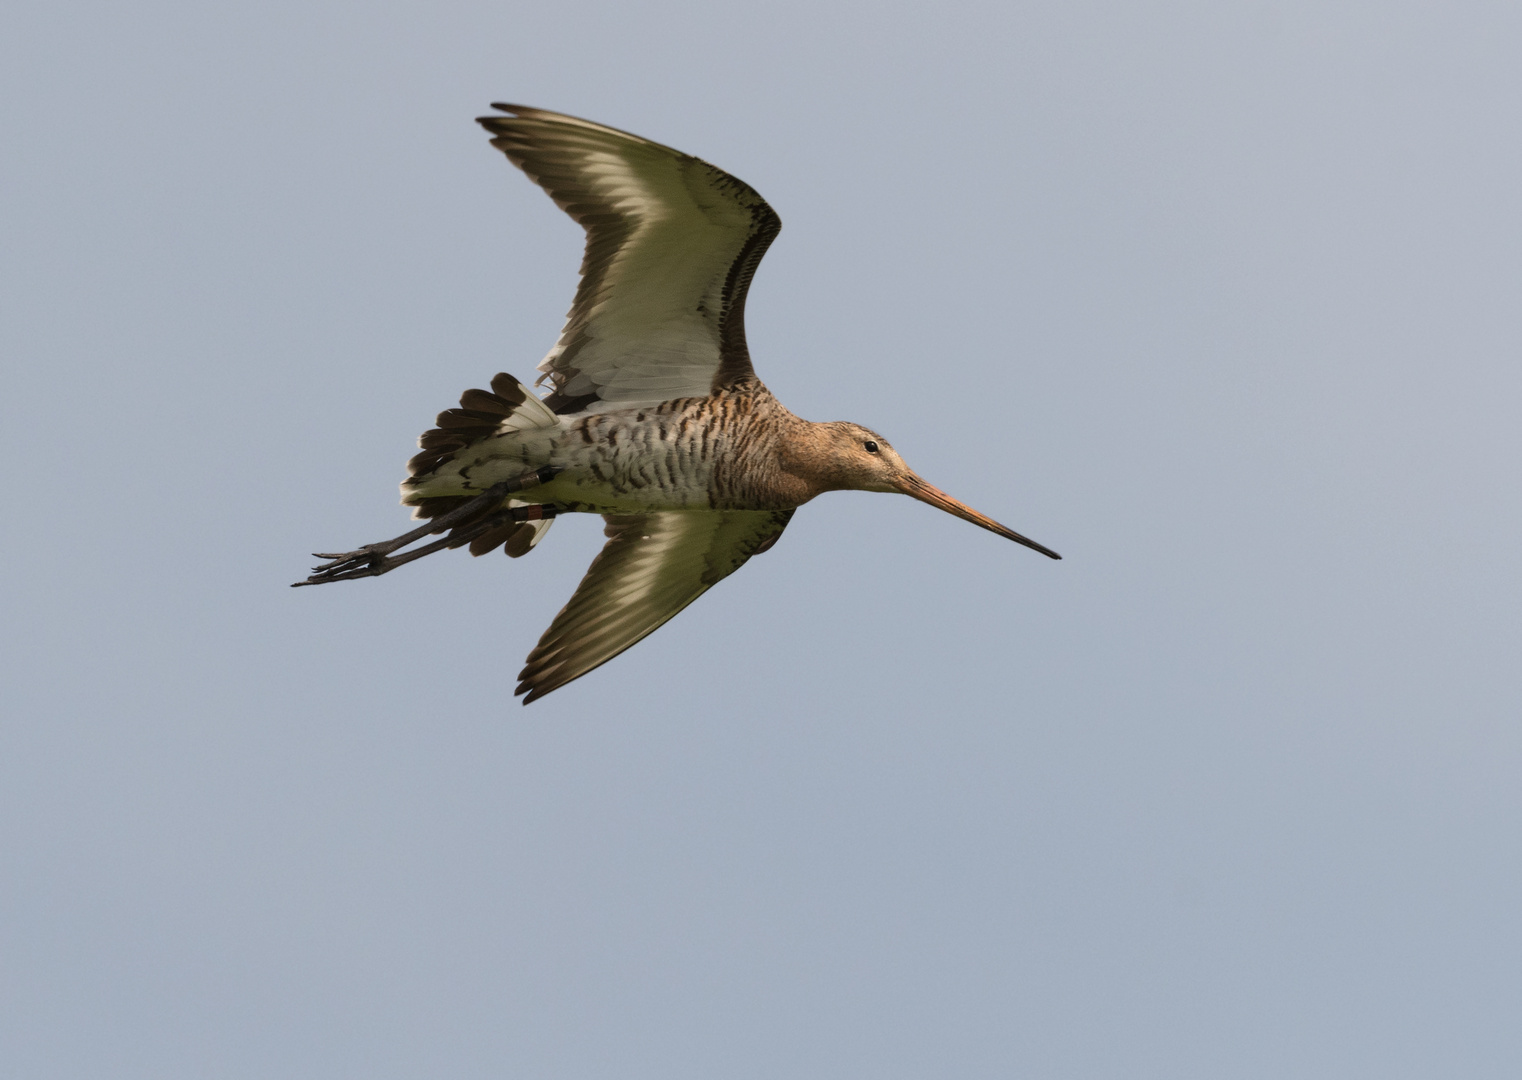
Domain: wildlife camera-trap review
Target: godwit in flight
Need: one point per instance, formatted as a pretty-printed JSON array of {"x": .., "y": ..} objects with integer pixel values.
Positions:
[{"x": 655, "y": 418}]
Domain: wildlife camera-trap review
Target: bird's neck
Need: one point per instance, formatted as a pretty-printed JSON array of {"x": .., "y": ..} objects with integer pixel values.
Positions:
[
  {"x": 773, "y": 459},
  {"x": 806, "y": 462}
]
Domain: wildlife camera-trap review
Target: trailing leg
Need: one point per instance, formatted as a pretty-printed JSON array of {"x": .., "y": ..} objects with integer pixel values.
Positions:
[{"x": 467, "y": 522}]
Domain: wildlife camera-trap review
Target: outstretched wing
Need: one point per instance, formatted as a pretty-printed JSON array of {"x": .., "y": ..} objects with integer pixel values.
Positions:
[
  {"x": 672, "y": 244},
  {"x": 652, "y": 566}
]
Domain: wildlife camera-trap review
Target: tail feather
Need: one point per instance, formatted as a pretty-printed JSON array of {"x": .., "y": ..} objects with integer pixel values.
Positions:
[
  {"x": 437, "y": 506},
  {"x": 527, "y": 537},
  {"x": 507, "y": 407},
  {"x": 516, "y": 538}
]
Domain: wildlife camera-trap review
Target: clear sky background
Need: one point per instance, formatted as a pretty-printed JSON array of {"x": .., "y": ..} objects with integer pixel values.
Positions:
[{"x": 1220, "y": 300}]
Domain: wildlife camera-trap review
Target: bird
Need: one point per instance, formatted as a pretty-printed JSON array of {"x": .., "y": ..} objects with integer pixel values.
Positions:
[{"x": 654, "y": 417}]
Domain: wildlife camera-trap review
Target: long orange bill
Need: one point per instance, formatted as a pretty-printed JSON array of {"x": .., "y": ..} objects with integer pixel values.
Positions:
[{"x": 913, "y": 485}]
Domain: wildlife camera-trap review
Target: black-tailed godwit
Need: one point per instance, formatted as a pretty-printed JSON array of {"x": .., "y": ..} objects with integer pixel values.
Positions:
[{"x": 655, "y": 418}]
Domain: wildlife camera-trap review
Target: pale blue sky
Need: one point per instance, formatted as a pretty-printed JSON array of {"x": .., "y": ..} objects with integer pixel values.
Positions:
[{"x": 1218, "y": 300}]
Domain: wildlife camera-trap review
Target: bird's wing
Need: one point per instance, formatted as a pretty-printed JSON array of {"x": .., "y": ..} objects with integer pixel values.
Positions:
[
  {"x": 672, "y": 243},
  {"x": 652, "y": 566}
]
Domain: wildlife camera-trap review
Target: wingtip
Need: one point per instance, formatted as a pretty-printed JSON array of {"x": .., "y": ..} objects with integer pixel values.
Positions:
[{"x": 508, "y": 112}]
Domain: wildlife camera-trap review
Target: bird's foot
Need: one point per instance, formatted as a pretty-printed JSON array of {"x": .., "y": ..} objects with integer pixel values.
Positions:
[
  {"x": 372, "y": 560},
  {"x": 465, "y": 523}
]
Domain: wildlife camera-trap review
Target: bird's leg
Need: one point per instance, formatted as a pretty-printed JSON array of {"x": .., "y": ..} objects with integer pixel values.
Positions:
[{"x": 372, "y": 560}]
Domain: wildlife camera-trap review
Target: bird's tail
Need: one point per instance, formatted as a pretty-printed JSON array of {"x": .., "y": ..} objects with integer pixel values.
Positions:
[{"x": 507, "y": 408}]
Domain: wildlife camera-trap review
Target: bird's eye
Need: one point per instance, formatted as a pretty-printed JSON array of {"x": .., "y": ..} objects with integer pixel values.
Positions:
[{"x": 871, "y": 447}]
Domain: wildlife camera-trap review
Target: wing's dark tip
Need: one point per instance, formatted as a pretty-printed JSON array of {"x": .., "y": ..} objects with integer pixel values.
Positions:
[{"x": 513, "y": 112}]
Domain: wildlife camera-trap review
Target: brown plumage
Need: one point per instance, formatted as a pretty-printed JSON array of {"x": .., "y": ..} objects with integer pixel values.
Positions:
[{"x": 655, "y": 418}]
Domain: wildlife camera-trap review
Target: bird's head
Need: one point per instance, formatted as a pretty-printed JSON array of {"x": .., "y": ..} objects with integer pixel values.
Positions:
[{"x": 849, "y": 457}]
